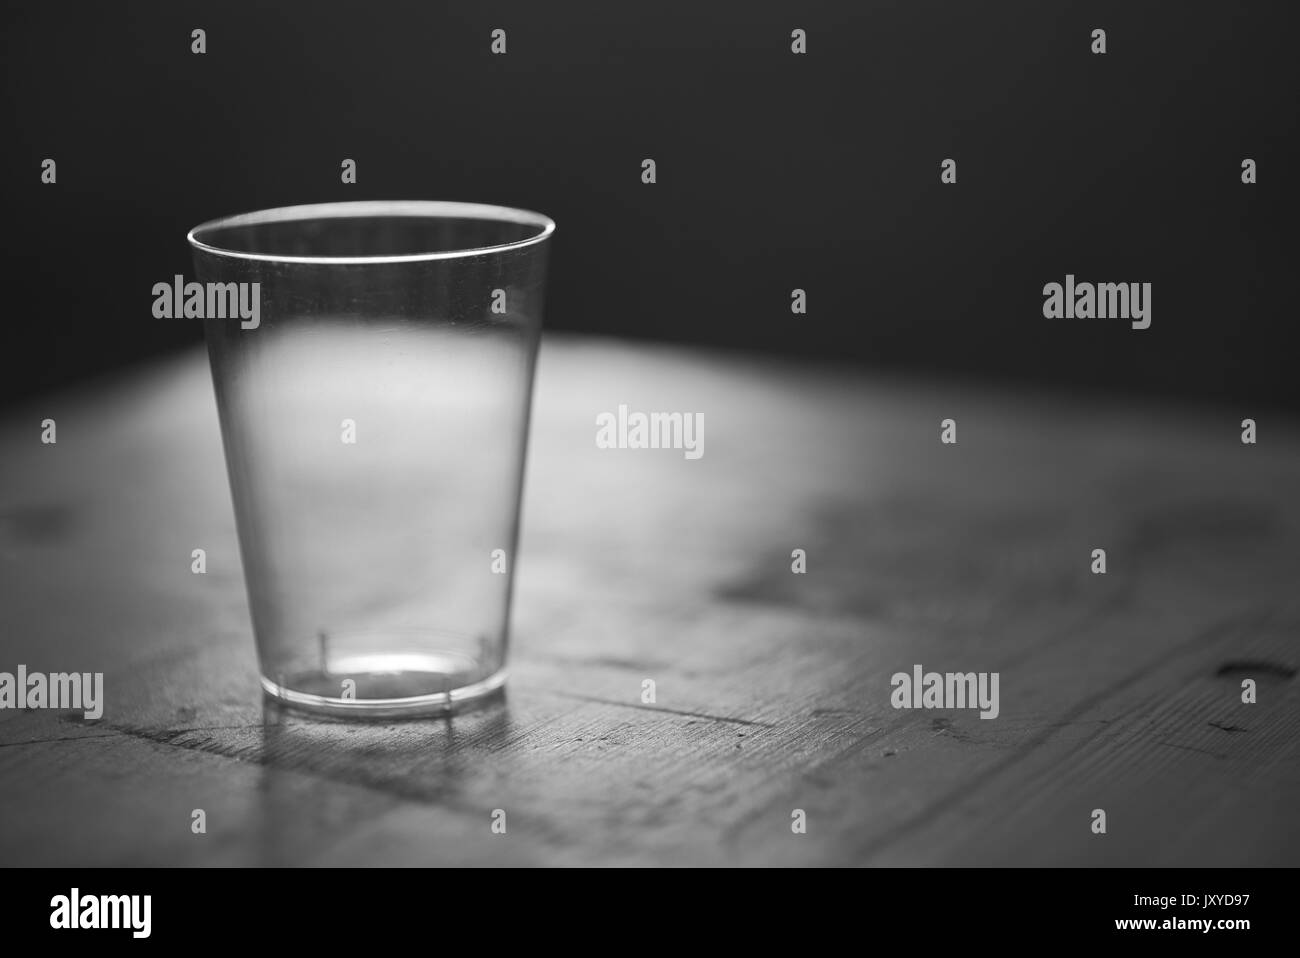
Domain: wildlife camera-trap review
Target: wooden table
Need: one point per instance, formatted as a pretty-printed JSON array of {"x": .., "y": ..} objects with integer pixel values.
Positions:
[{"x": 1119, "y": 691}]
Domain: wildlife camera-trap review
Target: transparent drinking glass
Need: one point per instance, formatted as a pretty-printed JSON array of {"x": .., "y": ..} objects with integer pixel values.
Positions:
[{"x": 373, "y": 369}]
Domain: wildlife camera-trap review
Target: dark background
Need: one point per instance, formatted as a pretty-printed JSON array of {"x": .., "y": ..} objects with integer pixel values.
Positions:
[{"x": 775, "y": 171}]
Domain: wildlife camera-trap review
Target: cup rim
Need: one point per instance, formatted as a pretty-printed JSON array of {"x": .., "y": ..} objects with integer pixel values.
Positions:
[{"x": 428, "y": 209}]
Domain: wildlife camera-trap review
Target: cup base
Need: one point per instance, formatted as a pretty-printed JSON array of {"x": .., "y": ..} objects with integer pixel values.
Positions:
[{"x": 435, "y": 685}]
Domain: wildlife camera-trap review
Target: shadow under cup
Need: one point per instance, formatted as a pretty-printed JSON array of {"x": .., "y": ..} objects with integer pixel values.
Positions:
[{"x": 373, "y": 367}]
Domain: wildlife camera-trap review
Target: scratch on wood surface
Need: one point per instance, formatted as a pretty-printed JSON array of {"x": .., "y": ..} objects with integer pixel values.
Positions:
[
  {"x": 62, "y": 738},
  {"x": 1228, "y": 728},
  {"x": 1256, "y": 667},
  {"x": 658, "y": 708}
]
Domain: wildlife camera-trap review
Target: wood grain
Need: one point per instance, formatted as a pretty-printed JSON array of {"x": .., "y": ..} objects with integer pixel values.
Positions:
[{"x": 1119, "y": 691}]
